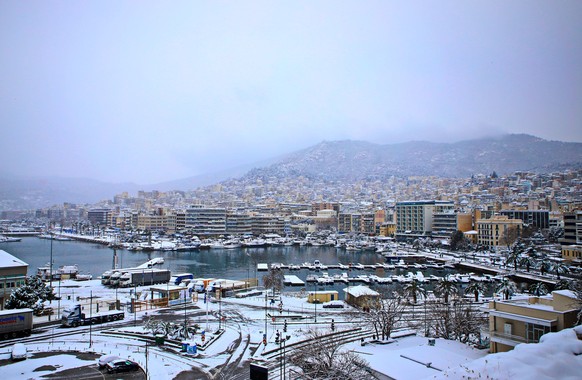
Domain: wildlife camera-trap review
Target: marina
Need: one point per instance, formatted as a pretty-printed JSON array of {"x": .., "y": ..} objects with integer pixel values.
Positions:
[{"x": 324, "y": 267}]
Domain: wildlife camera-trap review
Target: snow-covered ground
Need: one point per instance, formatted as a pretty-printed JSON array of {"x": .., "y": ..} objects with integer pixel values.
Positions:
[{"x": 411, "y": 357}]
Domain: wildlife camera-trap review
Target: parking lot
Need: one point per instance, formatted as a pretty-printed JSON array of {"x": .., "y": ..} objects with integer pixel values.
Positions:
[{"x": 36, "y": 366}]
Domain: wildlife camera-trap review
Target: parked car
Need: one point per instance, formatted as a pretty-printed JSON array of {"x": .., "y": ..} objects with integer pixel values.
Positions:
[
  {"x": 103, "y": 360},
  {"x": 18, "y": 352},
  {"x": 121, "y": 365},
  {"x": 334, "y": 304}
]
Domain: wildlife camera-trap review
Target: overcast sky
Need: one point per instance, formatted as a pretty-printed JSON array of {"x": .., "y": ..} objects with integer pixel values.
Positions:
[{"x": 153, "y": 91}]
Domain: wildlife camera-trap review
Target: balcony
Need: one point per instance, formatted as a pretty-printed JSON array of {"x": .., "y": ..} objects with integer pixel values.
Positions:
[{"x": 507, "y": 339}]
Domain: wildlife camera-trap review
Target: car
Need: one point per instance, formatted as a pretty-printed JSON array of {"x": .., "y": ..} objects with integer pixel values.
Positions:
[
  {"x": 18, "y": 352},
  {"x": 121, "y": 365},
  {"x": 334, "y": 304},
  {"x": 103, "y": 360}
]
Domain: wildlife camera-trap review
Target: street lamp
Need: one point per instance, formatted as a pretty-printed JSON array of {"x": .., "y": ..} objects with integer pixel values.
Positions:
[
  {"x": 315, "y": 302},
  {"x": 283, "y": 342}
]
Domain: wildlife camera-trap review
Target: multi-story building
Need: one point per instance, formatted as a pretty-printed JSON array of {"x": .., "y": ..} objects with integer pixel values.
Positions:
[
  {"x": 497, "y": 230},
  {"x": 572, "y": 228},
  {"x": 525, "y": 320},
  {"x": 363, "y": 223},
  {"x": 12, "y": 275},
  {"x": 100, "y": 216},
  {"x": 344, "y": 223},
  {"x": 238, "y": 223},
  {"x": 267, "y": 224},
  {"x": 415, "y": 219},
  {"x": 538, "y": 219},
  {"x": 206, "y": 221},
  {"x": 156, "y": 222},
  {"x": 315, "y": 207}
]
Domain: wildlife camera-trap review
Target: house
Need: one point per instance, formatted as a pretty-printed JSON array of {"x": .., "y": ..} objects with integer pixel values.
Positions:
[
  {"x": 360, "y": 295},
  {"x": 12, "y": 275},
  {"x": 323, "y": 296},
  {"x": 526, "y": 319}
]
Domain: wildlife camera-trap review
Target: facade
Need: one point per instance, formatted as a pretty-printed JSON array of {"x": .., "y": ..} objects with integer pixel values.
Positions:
[
  {"x": 572, "y": 253},
  {"x": 539, "y": 219},
  {"x": 322, "y": 296},
  {"x": 444, "y": 224},
  {"x": 319, "y": 206},
  {"x": 363, "y": 223},
  {"x": 416, "y": 219},
  {"x": 206, "y": 221},
  {"x": 238, "y": 223},
  {"x": 267, "y": 224},
  {"x": 360, "y": 296},
  {"x": 100, "y": 216},
  {"x": 166, "y": 222},
  {"x": 12, "y": 275},
  {"x": 572, "y": 228},
  {"x": 388, "y": 229},
  {"x": 492, "y": 232},
  {"x": 525, "y": 320}
]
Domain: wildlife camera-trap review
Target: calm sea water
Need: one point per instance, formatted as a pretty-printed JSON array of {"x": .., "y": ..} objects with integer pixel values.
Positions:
[{"x": 235, "y": 264}]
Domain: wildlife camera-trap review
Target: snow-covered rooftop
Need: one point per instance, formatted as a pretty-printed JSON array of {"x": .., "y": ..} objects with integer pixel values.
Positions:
[
  {"x": 360, "y": 290},
  {"x": 9, "y": 261}
]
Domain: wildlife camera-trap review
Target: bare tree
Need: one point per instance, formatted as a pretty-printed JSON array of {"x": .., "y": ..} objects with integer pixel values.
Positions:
[
  {"x": 458, "y": 320},
  {"x": 274, "y": 279},
  {"x": 509, "y": 236},
  {"x": 324, "y": 359},
  {"x": 384, "y": 314}
]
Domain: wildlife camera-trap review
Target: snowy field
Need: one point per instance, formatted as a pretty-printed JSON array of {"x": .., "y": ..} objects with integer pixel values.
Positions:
[{"x": 410, "y": 357}]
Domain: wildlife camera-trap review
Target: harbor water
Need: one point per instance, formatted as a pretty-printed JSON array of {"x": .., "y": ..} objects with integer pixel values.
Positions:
[{"x": 235, "y": 264}]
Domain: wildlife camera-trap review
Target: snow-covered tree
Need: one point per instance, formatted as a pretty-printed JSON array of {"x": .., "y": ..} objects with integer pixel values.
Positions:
[
  {"x": 383, "y": 315},
  {"x": 325, "y": 359},
  {"x": 31, "y": 295}
]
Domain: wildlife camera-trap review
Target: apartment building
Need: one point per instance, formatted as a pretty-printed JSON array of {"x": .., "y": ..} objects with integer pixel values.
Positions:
[
  {"x": 267, "y": 224},
  {"x": 525, "y": 320},
  {"x": 497, "y": 230},
  {"x": 572, "y": 228},
  {"x": 206, "y": 221},
  {"x": 538, "y": 219},
  {"x": 165, "y": 222},
  {"x": 416, "y": 219},
  {"x": 100, "y": 216},
  {"x": 238, "y": 223},
  {"x": 363, "y": 223}
]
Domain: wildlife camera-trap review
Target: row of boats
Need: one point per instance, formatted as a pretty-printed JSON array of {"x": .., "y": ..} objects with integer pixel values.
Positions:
[
  {"x": 378, "y": 245},
  {"x": 400, "y": 264},
  {"x": 327, "y": 279}
]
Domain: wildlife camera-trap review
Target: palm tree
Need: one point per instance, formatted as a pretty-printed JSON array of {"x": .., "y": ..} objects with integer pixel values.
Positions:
[
  {"x": 563, "y": 285},
  {"x": 414, "y": 289},
  {"x": 476, "y": 287},
  {"x": 445, "y": 287},
  {"x": 538, "y": 289},
  {"x": 560, "y": 268},
  {"x": 528, "y": 262},
  {"x": 545, "y": 266},
  {"x": 513, "y": 258},
  {"x": 507, "y": 287}
]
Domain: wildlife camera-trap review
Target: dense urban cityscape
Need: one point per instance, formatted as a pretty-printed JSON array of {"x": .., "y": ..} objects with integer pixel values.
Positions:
[
  {"x": 501, "y": 240},
  {"x": 291, "y": 190}
]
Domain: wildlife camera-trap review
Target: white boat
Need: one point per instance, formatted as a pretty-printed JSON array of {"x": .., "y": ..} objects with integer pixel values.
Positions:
[{"x": 8, "y": 239}]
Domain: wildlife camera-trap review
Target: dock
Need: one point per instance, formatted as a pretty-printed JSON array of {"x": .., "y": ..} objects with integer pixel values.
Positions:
[{"x": 293, "y": 281}]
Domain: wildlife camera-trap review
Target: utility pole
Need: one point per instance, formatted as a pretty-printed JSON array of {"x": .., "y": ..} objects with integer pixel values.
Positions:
[{"x": 90, "y": 319}]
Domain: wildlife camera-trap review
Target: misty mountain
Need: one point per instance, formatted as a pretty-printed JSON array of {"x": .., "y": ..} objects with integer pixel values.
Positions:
[
  {"x": 353, "y": 160},
  {"x": 333, "y": 160},
  {"x": 18, "y": 193}
]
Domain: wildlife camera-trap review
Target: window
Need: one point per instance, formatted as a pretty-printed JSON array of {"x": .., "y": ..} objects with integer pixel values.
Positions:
[{"x": 534, "y": 332}]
